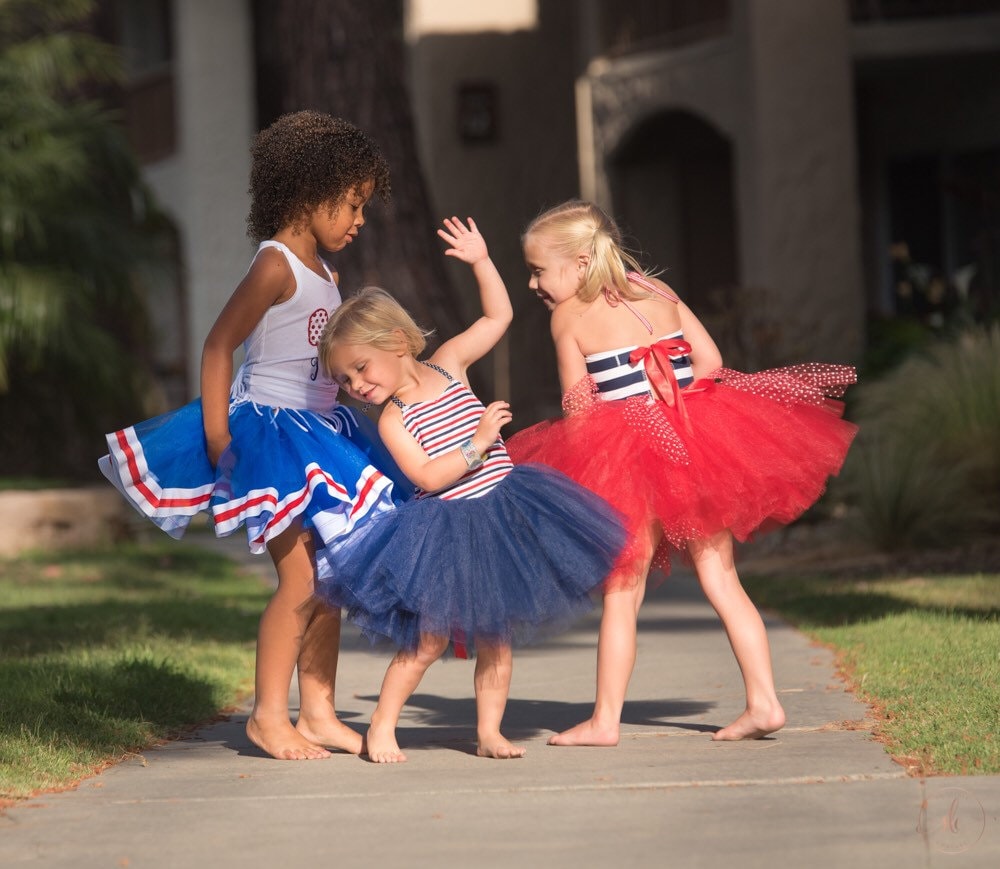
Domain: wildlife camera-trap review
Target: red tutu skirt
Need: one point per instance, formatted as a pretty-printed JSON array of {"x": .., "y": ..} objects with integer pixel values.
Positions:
[{"x": 744, "y": 452}]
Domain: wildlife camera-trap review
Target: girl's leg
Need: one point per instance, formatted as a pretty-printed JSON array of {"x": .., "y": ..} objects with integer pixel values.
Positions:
[
  {"x": 401, "y": 680},
  {"x": 494, "y": 665},
  {"x": 714, "y": 563},
  {"x": 317, "y": 666},
  {"x": 616, "y": 653},
  {"x": 279, "y": 641}
]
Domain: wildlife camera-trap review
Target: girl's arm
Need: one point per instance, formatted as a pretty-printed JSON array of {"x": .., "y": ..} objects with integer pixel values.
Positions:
[
  {"x": 268, "y": 281},
  {"x": 569, "y": 358},
  {"x": 705, "y": 355},
  {"x": 458, "y": 353},
  {"x": 433, "y": 474}
]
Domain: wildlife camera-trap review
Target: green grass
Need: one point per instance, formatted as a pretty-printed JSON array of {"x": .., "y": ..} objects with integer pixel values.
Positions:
[
  {"x": 32, "y": 484},
  {"x": 924, "y": 651},
  {"x": 104, "y": 653}
]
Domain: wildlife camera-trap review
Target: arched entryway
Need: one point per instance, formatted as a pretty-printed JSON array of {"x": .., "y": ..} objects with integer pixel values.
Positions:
[{"x": 671, "y": 184}]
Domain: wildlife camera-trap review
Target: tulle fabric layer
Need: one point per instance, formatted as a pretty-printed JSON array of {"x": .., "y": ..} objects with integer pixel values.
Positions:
[
  {"x": 512, "y": 566},
  {"x": 744, "y": 452},
  {"x": 331, "y": 470}
]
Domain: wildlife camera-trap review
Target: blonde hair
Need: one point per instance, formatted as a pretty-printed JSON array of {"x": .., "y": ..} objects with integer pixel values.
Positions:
[
  {"x": 373, "y": 317},
  {"x": 577, "y": 227}
]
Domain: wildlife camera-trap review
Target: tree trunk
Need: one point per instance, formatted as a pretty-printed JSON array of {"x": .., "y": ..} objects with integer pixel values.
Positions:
[{"x": 347, "y": 58}]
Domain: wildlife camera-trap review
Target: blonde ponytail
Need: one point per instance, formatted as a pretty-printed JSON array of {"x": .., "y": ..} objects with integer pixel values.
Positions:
[{"x": 577, "y": 227}]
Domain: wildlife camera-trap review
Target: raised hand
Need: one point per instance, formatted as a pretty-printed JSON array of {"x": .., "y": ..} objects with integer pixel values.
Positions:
[
  {"x": 495, "y": 417},
  {"x": 466, "y": 242}
]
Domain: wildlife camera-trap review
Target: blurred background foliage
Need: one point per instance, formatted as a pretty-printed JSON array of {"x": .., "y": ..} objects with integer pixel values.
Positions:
[
  {"x": 79, "y": 239},
  {"x": 925, "y": 469}
]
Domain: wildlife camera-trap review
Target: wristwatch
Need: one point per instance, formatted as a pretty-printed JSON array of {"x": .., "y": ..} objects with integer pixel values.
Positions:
[{"x": 471, "y": 454}]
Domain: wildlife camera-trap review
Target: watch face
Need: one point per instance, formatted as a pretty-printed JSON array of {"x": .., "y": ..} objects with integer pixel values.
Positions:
[{"x": 471, "y": 454}]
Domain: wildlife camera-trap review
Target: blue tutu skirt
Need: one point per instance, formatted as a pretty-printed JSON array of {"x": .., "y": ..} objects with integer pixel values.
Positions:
[
  {"x": 511, "y": 566},
  {"x": 329, "y": 470}
]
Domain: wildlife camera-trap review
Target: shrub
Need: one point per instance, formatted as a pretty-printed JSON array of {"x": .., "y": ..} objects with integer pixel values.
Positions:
[{"x": 925, "y": 470}]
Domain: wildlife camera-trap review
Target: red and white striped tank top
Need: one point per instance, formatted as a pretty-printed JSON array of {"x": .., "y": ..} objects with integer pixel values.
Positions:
[{"x": 441, "y": 424}]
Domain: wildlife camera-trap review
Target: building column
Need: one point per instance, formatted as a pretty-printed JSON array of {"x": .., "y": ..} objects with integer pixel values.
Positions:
[
  {"x": 796, "y": 175},
  {"x": 216, "y": 119}
]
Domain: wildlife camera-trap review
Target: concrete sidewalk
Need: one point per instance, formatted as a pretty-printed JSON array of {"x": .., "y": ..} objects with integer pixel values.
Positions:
[{"x": 821, "y": 793}]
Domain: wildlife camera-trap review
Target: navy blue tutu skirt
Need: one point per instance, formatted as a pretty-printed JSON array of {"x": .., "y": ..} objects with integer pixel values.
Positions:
[
  {"x": 518, "y": 563},
  {"x": 330, "y": 470}
]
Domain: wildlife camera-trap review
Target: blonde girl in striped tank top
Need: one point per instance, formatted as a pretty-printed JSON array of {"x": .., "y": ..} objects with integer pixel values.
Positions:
[{"x": 487, "y": 555}]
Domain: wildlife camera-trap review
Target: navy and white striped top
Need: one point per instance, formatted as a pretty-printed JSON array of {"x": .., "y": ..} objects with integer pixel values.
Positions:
[
  {"x": 617, "y": 378},
  {"x": 441, "y": 424}
]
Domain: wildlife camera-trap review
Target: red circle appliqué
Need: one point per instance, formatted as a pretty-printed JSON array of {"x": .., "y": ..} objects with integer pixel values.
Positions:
[{"x": 317, "y": 320}]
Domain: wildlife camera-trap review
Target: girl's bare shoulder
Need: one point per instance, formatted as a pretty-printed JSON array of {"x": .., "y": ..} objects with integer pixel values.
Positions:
[
  {"x": 444, "y": 358},
  {"x": 663, "y": 286},
  {"x": 390, "y": 416},
  {"x": 567, "y": 317}
]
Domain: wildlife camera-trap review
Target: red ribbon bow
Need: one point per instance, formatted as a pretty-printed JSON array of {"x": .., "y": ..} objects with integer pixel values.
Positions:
[
  {"x": 660, "y": 373},
  {"x": 660, "y": 370}
]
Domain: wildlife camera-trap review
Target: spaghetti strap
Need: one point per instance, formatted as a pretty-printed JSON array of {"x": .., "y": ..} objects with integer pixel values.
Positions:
[
  {"x": 646, "y": 284},
  {"x": 437, "y": 368},
  {"x": 636, "y": 278}
]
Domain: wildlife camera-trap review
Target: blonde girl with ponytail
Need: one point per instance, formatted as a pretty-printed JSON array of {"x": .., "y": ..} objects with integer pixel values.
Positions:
[{"x": 693, "y": 454}]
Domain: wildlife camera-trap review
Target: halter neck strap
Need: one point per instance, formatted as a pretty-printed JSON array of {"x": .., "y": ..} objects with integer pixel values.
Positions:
[
  {"x": 614, "y": 299},
  {"x": 436, "y": 367}
]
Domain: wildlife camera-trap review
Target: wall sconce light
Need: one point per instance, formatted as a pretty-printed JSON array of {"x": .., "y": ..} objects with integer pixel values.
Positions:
[{"x": 478, "y": 113}]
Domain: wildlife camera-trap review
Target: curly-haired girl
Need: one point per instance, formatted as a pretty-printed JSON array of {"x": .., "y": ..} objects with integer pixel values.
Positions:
[{"x": 272, "y": 449}]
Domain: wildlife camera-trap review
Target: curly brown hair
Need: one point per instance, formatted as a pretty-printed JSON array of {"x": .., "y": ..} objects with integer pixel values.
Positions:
[{"x": 304, "y": 161}]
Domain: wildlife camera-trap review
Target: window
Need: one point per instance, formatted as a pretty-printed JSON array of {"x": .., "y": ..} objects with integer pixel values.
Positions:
[{"x": 146, "y": 40}]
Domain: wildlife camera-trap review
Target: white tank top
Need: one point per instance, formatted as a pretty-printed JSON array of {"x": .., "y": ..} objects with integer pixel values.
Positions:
[{"x": 280, "y": 368}]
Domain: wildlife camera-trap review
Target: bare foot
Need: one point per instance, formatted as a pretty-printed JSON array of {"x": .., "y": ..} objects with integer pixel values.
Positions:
[
  {"x": 587, "y": 732},
  {"x": 382, "y": 747},
  {"x": 282, "y": 741},
  {"x": 499, "y": 747},
  {"x": 331, "y": 733},
  {"x": 752, "y": 725}
]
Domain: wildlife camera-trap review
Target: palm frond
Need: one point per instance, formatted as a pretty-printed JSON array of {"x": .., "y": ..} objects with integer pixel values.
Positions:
[
  {"x": 33, "y": 306},
  {"x": 21, "y": 19},
  {"x": 59, "y": 63},
  {"x": 78, "y": 229}
]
